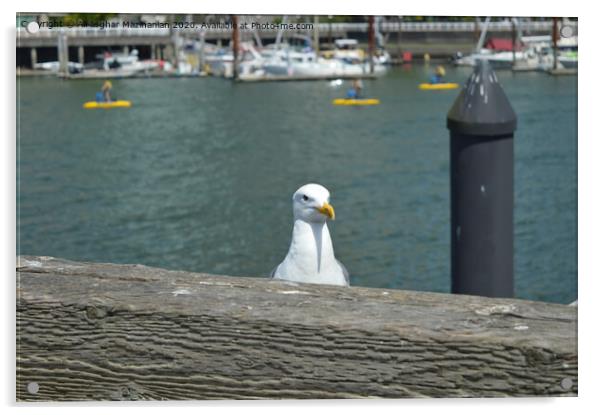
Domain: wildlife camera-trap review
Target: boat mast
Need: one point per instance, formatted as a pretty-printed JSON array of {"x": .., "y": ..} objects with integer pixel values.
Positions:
[
  {"x": 483, "y": 34},
  {"x": 555, "y": 40},
  {"x": 316, "y": 45},
  {"x": 513, "y": 41},
  {"x": 280, "y": 32},
  {"x": 371, "y": 42},
  {"x": 399, "y": 53},
  {"x": 258, "y": 38}
]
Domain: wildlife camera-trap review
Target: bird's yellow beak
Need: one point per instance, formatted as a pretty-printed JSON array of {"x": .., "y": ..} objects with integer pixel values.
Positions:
[{"x": 327, "y": 210}]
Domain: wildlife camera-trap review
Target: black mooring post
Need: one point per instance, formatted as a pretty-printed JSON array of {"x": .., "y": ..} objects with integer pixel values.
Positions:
[{"x": 481, "y": 124}]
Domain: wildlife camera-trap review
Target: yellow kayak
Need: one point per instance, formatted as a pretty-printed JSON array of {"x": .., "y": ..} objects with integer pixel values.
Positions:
[
  {"x": 112, "y": 104},
  {"x": 351, "y": 101},
  {"x": 448, "y": 85}
]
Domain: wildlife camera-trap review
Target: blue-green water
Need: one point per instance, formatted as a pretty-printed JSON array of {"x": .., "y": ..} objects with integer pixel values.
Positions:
[{"x": 198, "y": 175}]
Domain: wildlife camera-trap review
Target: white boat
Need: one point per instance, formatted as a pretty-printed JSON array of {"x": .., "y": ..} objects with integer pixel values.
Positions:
[
  {"x": 348, "y": 50},
  {"x": 536, "y": 54},
  {"x": 539, "y": 54},
  {"x": 568, "y": 52},
  {"x": 295, "y": 63},
  {"x": 299, "y": 59},
  {"x": 283, "y": 59},
  {"x": 123, "y": 65},
  {"x": 382, "y": 57},
  {"x": 53, "y": 66},
  {"x": 220, "y": 61},
  {"x": 127, "y": 63},
  {"x": 568, "y": 60},
  {"x": 498, "y": 60}
]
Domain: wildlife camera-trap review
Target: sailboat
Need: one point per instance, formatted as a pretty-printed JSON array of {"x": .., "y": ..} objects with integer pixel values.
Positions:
[{"x": 498, "y": 60}]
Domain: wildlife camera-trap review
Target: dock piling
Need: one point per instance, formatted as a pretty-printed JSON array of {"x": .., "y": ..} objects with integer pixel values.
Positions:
[
  {"x": 555, "y": 41},
  {"x": 482, "y": 123},
  {"x": 399, "y": 51},
  {"x": 34, "y": 57},
  {"x": 235, "y": 47},
  {"x": 513, "y": 42},
  {"x": 371, "y": 42},
  {"x": 63, "y": 54},
  {"x": 81, "y": 54},
  {"x": 316, "y": 34},
  {"x": 202, "y": 52}
]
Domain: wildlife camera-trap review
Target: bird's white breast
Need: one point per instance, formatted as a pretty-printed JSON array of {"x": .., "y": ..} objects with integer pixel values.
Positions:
[{"x": 310, "y": 258}]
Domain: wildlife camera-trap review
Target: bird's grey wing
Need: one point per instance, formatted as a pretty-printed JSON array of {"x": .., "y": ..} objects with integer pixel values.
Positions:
[
  {"x": 345, "y": 272},
  {"x": 274, "y": 271}
]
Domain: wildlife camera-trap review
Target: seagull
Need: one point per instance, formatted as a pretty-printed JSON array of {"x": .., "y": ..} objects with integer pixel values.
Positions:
[{"x": 310, "y": 258}]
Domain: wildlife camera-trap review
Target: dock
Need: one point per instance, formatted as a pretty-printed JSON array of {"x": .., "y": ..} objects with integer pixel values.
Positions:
[
  {"x": 281, "y": 78},
  {"x": 563, "y": 71},
  {"x": 91, "y": 331},
  {"x": 116, "y": 74}
]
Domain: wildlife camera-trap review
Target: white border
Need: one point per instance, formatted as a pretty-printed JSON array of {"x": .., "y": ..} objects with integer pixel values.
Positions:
[{"x": 590, "y": 206}]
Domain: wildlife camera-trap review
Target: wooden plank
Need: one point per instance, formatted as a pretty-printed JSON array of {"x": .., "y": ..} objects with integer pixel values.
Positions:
[{"x": 90, "y": 331}]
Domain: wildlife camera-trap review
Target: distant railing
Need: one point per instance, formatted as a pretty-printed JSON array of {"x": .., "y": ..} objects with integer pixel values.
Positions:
[
  {"x": 92, "y": 32},
  {"x": 438, "y": 26}
]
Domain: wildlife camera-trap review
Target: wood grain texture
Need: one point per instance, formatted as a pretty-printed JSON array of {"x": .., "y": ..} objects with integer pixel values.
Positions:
[{"x": 90, "y": 331}]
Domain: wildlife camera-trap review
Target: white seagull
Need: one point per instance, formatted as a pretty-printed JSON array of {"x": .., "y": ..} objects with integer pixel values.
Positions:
[{"x": 310, "y": 258}]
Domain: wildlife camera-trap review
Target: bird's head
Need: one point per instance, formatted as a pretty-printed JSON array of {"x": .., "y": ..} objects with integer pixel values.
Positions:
[{"x": 311, "y": 203}]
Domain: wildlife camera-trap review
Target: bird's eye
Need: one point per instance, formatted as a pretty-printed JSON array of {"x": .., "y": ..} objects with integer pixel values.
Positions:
[{"x": 305, "y": 198}]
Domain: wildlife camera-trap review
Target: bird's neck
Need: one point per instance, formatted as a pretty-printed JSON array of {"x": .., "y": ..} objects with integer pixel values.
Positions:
[{"x": 311, "y": 241}]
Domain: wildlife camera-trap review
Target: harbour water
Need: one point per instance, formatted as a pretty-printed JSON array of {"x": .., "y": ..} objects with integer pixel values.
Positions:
[{"x": 198, "y": 175}]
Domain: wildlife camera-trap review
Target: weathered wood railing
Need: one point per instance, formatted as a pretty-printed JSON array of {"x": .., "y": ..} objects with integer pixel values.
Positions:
[{"x": 123, "y": 332}]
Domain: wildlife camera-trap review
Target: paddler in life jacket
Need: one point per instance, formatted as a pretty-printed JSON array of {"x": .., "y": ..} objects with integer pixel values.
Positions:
[
  {"x": 356, "y": 89},
  {"x": 106, "y": 91},
  {"x": 437, "y": 78}
]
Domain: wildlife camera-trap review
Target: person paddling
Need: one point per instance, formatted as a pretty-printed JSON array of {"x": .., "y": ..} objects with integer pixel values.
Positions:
[
  {"x": 106, "y": 91},
  {"x": 437, "y": 78},
  {"x": 356, "y": 89}
]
